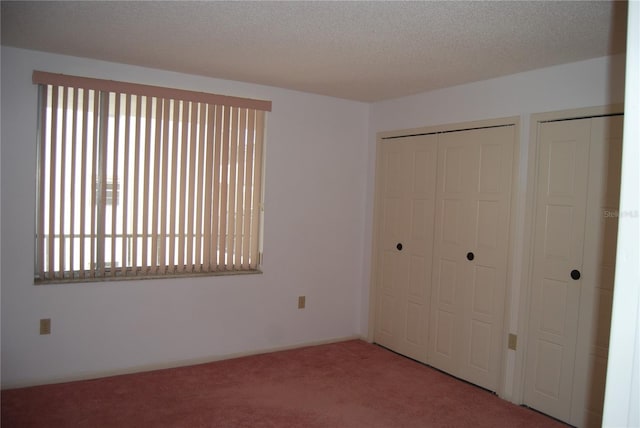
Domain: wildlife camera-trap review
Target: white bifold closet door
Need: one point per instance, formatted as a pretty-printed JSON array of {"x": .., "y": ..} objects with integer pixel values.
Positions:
[
  {"x": 441, "y": 197},
  {"x": 470, "y": 253},
  {"x": 575, "y": 233},
  {"x": 406, "y": 198}
]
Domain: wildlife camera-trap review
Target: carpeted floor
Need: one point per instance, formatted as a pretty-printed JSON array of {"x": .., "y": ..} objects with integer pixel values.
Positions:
[{"x": 349, "y": 384}]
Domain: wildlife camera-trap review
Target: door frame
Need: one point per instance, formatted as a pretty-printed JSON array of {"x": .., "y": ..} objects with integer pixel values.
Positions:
[
  {"x": 531, "y": 188},
  {"x": 515, "y": 196}
]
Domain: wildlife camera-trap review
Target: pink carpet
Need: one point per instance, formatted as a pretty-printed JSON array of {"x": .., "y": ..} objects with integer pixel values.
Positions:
[{"x": 349, "y": 384}]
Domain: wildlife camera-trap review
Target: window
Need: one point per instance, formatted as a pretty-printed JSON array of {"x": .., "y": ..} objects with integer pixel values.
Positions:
[{"x": 141, "y": 181}]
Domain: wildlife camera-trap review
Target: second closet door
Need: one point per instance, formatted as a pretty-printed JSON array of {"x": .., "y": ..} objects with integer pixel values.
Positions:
[
  {"x": 574, "y": 253},
  {"x": 470, "y": 253}
]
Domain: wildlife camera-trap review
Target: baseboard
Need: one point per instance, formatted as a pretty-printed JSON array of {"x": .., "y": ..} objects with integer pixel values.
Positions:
[{"x": 181, "y": 363}]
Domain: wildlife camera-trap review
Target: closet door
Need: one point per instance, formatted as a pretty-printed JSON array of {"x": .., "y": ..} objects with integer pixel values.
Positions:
[
  {"x": 599, "y": 261},
  {"x": 572, "y": 271},
  {"x": 558, "y": 243},
  {"x": 470, "y": 253},
  {"x": 405, "y": 206}
]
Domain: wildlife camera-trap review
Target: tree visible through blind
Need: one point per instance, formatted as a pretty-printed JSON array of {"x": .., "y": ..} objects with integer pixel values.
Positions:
[{"x": 135, "y": 180}]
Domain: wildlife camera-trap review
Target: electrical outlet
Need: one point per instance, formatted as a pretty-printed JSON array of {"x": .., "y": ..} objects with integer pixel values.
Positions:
[
  {"x": 513, "y": 341},
  {"x": 45, "y": 326},
  {"x": 301, "y": 302}
]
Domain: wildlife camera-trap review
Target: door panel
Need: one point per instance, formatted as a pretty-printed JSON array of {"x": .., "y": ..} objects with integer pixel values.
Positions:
[
  {"x": 554, "y": 299},
  {"x": 444, "y": 310},
  {"x": 488, "y": 221},
  {"x": 558, "y": 220},
  {"x": 394, "y": 180},
  {"x": 484, "y": 290},
  {"x": 444, "y": 340},
  {"x": 560, "y": 215},
  {"x": 598, "y": 266},
  {"x": 491, "y": 168},
  {"x": 561, "y": 169},
  {"x": 549, "y": 369},
  {"x": 491, "y": 198},
  {"x": 407, "y": 177},
  {"x": 459, "y": 163},
  {"x": 480, "y": 349},
  {"x": 473, "y": 199}
]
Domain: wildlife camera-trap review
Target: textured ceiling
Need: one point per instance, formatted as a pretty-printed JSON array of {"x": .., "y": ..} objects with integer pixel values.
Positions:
[{"x": 367, "y": 51}]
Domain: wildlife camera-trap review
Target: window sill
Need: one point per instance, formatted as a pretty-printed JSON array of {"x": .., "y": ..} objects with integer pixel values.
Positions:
[{"x": 108, "y": 278}]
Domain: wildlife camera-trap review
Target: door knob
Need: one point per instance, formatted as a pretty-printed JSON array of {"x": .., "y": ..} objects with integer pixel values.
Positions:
[
  {"x": 399, "y": 246},
  {"x": 575, "y": 274},
  {"x": 470, "y": 256}
]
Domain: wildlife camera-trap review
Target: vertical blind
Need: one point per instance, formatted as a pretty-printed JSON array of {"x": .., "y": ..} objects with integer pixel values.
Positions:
[{"x": 137, "y": 180}]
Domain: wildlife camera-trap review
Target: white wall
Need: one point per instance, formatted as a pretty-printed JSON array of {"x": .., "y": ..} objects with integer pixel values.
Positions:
[
  {"x": 623, "y": 371},
  {"x": 595, "y": 82},
  {"x": 313, "y": 244},
  {"x": 319, "y": 205}
]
